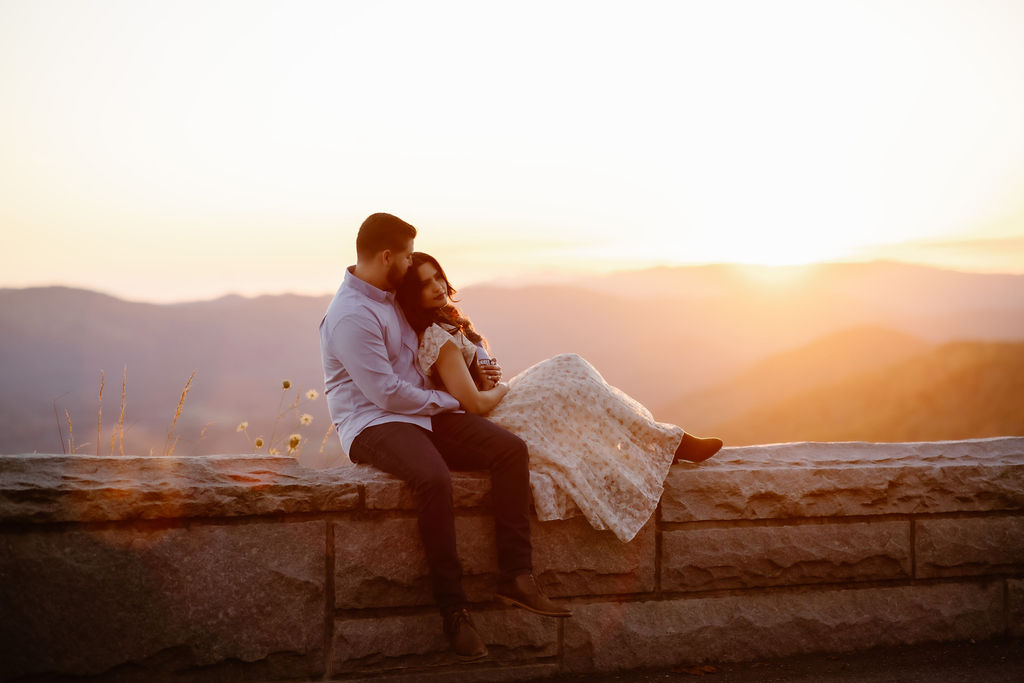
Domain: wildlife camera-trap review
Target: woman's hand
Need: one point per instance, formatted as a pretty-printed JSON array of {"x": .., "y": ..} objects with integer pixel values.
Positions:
[
  {"x": 490, "y": 373},
  {"x": 457, "y": 380}
]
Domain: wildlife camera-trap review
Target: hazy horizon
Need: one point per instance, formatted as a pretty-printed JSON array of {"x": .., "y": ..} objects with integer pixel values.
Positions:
[{"x": 538, "y": 279}]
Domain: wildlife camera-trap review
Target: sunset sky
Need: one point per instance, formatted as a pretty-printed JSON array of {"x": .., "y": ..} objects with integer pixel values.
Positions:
[{"x": 166, "y": 151}]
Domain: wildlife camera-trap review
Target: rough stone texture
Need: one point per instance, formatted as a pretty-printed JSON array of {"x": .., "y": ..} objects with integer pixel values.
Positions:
[
  {"x": 391, "y": 643},
  {"x": 54, "y": 488},
  {"x": 476, "y": 672},
  {"x": 969, "y": 546},
  {"x": 607, "y": 636},
  {"x": 380, "y": 561},
  {"x": 748, "y": 556},
  {"x": 83, "y": 601},
  {"x": 385, "y": 492},
  {"x": 1015, "y": 607},
  {"x": 213, "y": 568},
  {"x": 572, "y": 558},
  {"x": 757, "y": 482},
  {"x": 848, "y": 479}
]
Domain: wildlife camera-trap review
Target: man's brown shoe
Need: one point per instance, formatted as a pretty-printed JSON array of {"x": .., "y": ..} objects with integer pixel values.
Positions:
[
  {"x": 466, "y": 642},
  {"x": 523, "y": 592}
]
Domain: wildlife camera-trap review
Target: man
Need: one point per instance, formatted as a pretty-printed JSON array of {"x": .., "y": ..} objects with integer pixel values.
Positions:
[{"x": 387, "y": 416}]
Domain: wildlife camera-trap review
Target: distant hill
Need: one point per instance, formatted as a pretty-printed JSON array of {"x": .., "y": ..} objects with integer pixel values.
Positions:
[
  {"x": 56, "y": 340},
  {"x": 956, "y": 391},
  {"x": 665, "y": 333},
  {"x": 651, "y": 350},
  {"x": 826, "y": 361},
  {"x": 662, "y": 336}
]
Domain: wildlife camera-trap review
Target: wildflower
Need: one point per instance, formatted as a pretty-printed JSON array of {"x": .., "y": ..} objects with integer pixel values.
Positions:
[
  {"x": 242, "y": 427},
  {"x": 293, "y": 442},
  {"x": 306, "y": 418},
  {"x": 311, "y": 394},
  {"x": 286, "y": 384},
  {"x": 259, "y": 442},
  {"x": 274, "y": 451}
]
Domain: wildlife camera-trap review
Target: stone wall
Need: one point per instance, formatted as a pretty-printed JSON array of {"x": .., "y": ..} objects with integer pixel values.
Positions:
[{"x": 254, "y": 568}]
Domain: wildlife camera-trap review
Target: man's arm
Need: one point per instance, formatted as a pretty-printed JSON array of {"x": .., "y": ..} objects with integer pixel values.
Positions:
[{"x": 357, "y": 342}]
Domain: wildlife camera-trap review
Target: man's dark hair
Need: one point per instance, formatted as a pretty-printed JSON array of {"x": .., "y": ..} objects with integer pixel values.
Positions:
[{"x": 382, "y": 231}]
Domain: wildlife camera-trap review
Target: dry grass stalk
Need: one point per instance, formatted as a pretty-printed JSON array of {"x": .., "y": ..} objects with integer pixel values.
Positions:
[
  {"x": 169, "y": 446},
  {"x": 280, "y": 413},
  {"x": 120, "y": 420},
  {"x": 323, "y": 443},
  {"x": 99, "y": 416},
  {"x": 71, "y": 433},
  {"x": 60, "y": 433},
  {"x": 202, "y": 434}
]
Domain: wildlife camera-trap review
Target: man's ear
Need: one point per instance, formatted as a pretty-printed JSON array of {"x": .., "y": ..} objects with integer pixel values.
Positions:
[{"x": 386, "y": 257}]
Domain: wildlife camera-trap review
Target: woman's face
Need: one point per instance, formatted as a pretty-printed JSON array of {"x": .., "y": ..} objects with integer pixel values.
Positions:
[{"x": 434, "y": 289}]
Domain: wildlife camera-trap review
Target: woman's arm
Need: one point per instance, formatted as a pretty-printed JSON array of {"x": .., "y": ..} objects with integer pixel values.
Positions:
[{"x": 451, "y": 366}]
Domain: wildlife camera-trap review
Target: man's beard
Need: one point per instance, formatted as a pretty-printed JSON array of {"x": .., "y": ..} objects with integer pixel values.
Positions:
[{"x": 395, "y": 276}]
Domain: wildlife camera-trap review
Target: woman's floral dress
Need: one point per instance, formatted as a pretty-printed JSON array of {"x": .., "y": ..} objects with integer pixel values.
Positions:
[{"x": 593, "y": 449}]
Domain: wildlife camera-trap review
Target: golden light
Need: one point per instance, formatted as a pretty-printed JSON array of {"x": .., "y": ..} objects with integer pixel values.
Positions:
[{"x": 246, "y": 141}]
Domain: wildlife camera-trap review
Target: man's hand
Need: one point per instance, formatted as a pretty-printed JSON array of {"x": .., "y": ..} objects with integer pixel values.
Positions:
[{"x": 490, "y": 373}]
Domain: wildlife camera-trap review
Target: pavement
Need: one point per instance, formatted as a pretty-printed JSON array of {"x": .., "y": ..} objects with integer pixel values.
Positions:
[{"x": 991, "y": 661}]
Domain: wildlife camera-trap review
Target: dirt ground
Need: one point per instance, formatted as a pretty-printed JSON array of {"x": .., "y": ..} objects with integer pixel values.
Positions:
[{"x": 991, "y": 661}]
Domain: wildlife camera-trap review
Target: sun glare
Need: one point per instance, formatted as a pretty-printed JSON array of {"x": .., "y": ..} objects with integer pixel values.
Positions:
[{"x": 561, "y": 136}]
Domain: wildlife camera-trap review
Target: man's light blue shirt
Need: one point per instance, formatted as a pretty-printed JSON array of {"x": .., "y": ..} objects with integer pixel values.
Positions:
[{"x": 371, "y": 376}]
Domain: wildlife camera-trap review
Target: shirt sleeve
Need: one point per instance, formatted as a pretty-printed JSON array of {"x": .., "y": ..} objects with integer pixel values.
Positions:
[
  {"x": 430, "y": 347},
  {"x": 358, "y": 343}
]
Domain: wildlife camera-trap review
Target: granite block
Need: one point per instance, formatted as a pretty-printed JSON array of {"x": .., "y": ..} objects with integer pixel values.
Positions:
[
  {"x": 572, "y": 558},
  {"x": 86, "y": 488},
  {"x": 970, "y": 546},
  {"x": 85, "y": 601},
  {"x": 750, "y": 556},
  {"x": 607, "y": 636},
  {"x": 783, "y": 481},
  {"x": 379, "y": 562},
  {"x": 393, "y": 643}
]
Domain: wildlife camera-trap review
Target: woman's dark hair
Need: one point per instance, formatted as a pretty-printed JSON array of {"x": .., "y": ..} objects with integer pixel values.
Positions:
[{"x": 421, "y": 318}]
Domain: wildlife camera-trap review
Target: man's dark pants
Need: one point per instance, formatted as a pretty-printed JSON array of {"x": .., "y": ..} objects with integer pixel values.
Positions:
[{"x": 423, "y": 458}]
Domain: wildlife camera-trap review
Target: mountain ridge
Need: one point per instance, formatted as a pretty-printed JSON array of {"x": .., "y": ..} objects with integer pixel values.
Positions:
[
  {"x": 660, "y": 349},
  {"x": 958, "y": 390}
]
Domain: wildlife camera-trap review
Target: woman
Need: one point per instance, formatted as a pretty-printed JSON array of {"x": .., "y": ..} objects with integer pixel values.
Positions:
[{"x": 592, "y": 447}]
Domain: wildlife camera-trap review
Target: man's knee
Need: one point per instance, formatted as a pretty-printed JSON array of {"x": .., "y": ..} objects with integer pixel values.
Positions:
[{"x": 514, "y": 449}]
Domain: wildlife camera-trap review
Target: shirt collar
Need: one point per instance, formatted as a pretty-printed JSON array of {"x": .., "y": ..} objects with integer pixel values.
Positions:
[{"x": 365, "y": 288}]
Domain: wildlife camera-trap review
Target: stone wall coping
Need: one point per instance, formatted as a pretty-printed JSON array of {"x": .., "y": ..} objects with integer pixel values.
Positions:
[{"x": 774, "y": 480}]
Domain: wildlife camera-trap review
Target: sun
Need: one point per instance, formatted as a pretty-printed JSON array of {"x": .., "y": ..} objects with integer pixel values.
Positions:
[{"x": 754, "y": 241}]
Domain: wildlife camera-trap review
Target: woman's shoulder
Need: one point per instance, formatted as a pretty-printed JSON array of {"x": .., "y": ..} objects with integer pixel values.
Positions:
[
  {"x": 433, "y": 338},
  {"x": 439, "y": 331}
]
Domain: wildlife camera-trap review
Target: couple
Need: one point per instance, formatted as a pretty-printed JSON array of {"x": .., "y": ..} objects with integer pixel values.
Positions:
[{"x": 407, "y": 395}]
